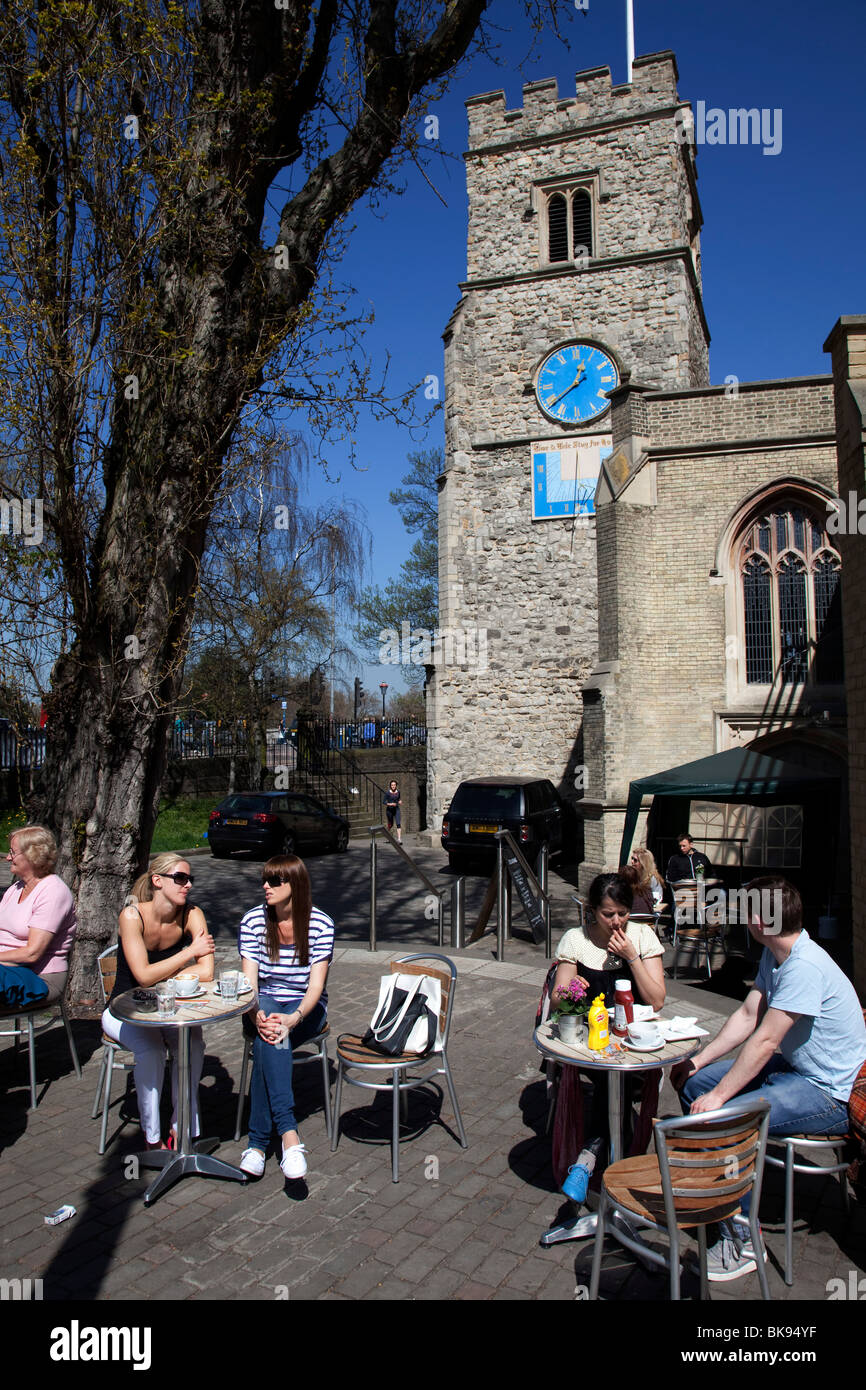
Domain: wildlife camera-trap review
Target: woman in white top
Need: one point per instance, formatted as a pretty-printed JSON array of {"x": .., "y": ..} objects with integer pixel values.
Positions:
[
  {"x": 607, "y": 949},
  {"x": 286, "y": 946},
  {"x": 610, "y": 947}
]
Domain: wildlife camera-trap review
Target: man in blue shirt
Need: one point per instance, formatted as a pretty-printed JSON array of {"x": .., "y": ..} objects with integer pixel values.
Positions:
[{"x": 803, "y": 1042}]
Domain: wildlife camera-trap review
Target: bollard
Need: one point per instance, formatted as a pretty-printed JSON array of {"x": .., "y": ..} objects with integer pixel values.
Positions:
[
  {"x": 542, "y": 883},
  {"x": 458, "y": 913},
  {"x": 501, "y": 876},
  {"x": 373, "y": 849}
]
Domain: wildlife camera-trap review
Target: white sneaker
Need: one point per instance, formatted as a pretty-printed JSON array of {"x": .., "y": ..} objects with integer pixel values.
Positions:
[
  {"x": 293, "y": 1163},
  {"x": 252, "y": 1162}
]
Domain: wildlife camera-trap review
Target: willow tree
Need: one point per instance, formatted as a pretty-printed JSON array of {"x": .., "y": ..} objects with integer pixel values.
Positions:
[{"x": 172, "y": 181}]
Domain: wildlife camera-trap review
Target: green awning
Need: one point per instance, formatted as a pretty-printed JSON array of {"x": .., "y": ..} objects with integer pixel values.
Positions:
[{"x": 739, "y": 774}]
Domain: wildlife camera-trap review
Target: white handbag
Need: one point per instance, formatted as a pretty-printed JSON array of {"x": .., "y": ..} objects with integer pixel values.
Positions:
[{"x": 407, "y": 1015}]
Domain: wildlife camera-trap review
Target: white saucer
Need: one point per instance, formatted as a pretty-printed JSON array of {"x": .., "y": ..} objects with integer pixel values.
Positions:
[
  {"x": 244, "y": 989},
  {"x": 188, "y": 998},
  {"x": 654, "y": 1047}
]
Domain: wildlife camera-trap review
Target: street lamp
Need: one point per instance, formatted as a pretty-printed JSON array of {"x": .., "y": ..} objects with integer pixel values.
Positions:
[{"x": 383, "y": 686}]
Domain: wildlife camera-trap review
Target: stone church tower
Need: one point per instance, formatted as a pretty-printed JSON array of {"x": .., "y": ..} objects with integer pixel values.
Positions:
[{"x": 583, "y": 271}]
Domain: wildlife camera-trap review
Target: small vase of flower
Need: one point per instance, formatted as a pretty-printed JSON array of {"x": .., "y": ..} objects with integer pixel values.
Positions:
[{"x": 570, "y": 1005}]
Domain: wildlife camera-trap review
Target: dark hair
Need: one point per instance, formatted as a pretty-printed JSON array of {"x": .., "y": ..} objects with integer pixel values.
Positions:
[
  {"x": 291, "y": 870},
  {"x": 614, "y": 886},
  {"x": 686, "y": 836},
  {"x": 792, "y": 903}
]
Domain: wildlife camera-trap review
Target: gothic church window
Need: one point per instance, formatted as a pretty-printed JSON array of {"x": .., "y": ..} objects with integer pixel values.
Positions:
[{"x": 789, "y": 574}]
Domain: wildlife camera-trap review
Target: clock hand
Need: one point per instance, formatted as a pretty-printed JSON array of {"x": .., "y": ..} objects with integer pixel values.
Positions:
[{"x": 576, "y": 382}]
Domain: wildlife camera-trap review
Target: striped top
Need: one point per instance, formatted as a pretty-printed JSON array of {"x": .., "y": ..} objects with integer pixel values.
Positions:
[{"x": 284, "y": 980}]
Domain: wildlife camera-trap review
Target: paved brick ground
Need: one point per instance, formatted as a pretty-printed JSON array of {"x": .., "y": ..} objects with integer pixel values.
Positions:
[{"x": 459, "y": 1225}]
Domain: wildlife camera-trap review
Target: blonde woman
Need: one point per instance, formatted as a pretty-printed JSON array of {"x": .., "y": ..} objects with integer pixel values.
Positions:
[
  {"x": 159, "y": 935},
  {"x": 651, "y": 881},
  {"x": 37, "y": 913}
]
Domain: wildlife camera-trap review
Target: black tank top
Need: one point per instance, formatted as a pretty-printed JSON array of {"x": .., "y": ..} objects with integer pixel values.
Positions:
[{"x": 125, "y": 979}]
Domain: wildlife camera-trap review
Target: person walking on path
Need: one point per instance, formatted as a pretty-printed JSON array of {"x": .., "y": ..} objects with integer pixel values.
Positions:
[{"x": 392, "y": 809}]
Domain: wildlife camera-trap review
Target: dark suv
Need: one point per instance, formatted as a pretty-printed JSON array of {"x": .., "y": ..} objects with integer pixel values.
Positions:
[
  {"x": 530, "y": 807},
  {"x": 274, "y": 823}
]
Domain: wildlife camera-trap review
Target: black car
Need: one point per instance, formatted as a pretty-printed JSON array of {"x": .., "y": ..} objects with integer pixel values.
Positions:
[
  {"x": 530, "y": 807},
  {"x": 274, "y": 823}
]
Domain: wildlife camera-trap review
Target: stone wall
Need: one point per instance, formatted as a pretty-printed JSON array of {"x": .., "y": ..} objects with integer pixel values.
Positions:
[
  {"x": 847, "y": 344},
  {"x": 663, "y": 686}
]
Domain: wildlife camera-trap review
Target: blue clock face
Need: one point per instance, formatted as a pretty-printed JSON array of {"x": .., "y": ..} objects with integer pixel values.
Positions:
[{"x": 573, "y": 383}]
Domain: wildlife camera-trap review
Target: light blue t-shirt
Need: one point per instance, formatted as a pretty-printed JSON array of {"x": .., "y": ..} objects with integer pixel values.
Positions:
[{"x": 828, "y": 1044}]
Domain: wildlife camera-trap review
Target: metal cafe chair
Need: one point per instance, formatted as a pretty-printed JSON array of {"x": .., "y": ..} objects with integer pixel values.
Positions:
[
  {"x": 833, "y": 1146},
  {"x": 702, "y": 1168},
  {"x": 22, "y": 1017},
  {"x": 696, "y": 922},
  {"x": 392, "y": 1073}
]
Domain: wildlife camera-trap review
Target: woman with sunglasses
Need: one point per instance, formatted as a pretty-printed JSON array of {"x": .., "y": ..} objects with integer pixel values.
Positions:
[
  {"x": 159, "y": 936},
  {"x": 286, "y": 946}
]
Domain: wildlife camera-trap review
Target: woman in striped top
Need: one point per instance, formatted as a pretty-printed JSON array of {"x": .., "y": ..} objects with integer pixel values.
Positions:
[{"x": 286, "y": 946}]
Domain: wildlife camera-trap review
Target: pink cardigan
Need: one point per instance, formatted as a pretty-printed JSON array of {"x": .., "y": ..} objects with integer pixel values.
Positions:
[{"x": 51, "y": 908}]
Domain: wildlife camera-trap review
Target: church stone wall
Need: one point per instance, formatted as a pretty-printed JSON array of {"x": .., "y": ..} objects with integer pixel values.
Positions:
[{"x": 662, "y": 613}]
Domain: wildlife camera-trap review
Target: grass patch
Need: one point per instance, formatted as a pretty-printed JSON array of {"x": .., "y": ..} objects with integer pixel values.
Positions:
[
  {"x": 10, "y": 821},
  {"x": 181, "y": 824}
]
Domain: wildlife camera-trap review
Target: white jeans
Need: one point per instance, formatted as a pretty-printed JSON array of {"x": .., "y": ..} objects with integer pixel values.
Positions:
[{"x": 148, "y": 1045}]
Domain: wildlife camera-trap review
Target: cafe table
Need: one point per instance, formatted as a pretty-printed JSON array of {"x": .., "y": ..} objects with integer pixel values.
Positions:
[
  {"x": 618, "y": 1064},
  {"x": 191, "y": 1155}
]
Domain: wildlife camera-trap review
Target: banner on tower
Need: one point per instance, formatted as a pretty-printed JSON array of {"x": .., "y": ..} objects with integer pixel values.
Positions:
[{"x": 565, "y": 473}]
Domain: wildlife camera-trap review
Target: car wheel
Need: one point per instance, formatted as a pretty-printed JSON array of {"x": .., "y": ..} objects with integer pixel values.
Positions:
[
  {"x": 219, "y": 853},
  {"x": 340, "y": 842},
  {"x": 457, "y": 861},
  {"x": 289, "y": 843}
]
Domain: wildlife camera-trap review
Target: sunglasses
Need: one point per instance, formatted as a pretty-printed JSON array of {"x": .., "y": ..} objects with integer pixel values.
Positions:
[
  {"x": 180, "y": 879},
  {"x": 273, "y": 881}
]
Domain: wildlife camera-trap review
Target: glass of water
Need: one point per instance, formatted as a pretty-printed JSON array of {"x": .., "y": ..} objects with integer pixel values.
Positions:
[
  {"x": 165, "y": 997},
  {"x": 229, "y": 985}
]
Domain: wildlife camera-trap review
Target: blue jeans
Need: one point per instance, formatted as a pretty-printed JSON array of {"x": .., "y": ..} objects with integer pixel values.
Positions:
[
  {"x": 797, "y": 1106},
  {"x": 272, "y": 1100}
]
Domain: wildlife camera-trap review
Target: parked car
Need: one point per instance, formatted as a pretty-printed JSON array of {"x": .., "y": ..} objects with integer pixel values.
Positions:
[
  {"x": 275, "y": 823},
  {"x": 530, "y": 807}
]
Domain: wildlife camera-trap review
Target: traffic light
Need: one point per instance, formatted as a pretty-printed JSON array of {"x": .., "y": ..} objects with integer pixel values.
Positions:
[{"x": 359, "y": 694}]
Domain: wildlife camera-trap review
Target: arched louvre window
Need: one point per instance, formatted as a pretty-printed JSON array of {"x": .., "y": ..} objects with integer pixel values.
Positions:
[
  {"x": 581, "y": 215},
  {"x": 569, "y": 226},
  {"x": 557, "y": 228},
  {"x": 790, "y": 595}
]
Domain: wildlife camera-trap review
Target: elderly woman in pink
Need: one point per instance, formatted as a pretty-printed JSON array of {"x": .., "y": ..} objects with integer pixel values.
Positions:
[{"x": 37, "y": 914}]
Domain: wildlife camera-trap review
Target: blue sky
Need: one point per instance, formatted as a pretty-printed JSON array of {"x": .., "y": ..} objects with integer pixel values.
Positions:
[{"x": 782, "y": 242}]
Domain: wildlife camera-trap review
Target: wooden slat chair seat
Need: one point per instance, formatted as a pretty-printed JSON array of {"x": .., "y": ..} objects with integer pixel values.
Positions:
[
  {"x": 352, "y": 1050},
  {"x": 702, "y": 1168},
  {"x": 381, "y": 1073}
]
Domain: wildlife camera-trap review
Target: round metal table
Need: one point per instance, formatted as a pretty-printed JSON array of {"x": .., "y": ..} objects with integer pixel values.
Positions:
[
  {"x": 617, "y": 1066},
  {"x": 191, "y": 1155}
]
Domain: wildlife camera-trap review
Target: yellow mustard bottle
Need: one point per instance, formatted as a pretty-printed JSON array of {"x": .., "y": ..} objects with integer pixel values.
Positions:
[{"x": 599, "y": 1034}]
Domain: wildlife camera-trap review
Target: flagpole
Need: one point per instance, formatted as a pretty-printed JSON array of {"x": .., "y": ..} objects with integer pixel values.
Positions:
[{"x": 629, "y": 30}]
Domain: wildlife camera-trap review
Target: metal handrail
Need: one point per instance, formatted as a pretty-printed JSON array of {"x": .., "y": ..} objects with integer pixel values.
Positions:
[
  {"x": 454, "y": 891},
  {"x": 503, "y": 895}
]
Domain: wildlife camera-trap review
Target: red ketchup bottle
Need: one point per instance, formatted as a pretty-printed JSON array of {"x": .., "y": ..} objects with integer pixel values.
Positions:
[{"x": 623, "y": 1008}]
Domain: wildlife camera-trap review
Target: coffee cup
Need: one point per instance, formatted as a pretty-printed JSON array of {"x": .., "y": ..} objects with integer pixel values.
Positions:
[
  {"x": 186, "y": 985},
  {"x": 644, "y": 1035}
]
